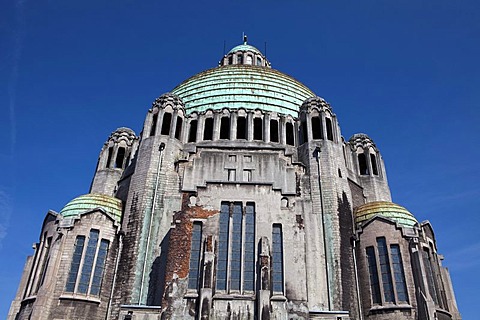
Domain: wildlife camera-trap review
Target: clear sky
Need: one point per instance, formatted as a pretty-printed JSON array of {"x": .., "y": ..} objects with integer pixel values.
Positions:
[{"x": 407, "y": 73}]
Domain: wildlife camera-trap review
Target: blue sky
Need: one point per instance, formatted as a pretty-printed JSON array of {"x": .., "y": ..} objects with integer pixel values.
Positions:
[{"x": 404, "y": 72}]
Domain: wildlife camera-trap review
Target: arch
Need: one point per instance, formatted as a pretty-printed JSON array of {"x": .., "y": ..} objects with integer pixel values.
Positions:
[
  {"x": 166, "y": 123},
  {"x": 178, "y": 128},
  {"x": 208, "y": 129},
  {"x": 192, "y": 135},
  {"x": 362, "y": 164},
  {"x": 290, "y": 134},
  {"x": 242, "y": 127},
  {"x": 317, "y": 130},
  {"x": 329, "y": 127},
  {"x": 274, "y": 136},
  {"x": 257, "y": 128},
  {"x": 153, "y": 128},
  {"x": 225, "y": 127}
]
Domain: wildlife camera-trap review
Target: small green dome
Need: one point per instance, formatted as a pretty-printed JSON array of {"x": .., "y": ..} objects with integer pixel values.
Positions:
[
  {"x": 243, "y": 86},
  {"x": 244, "y": 47},
  {"x": 88, "y": 202},
  {"x": 385, "y": 209}
]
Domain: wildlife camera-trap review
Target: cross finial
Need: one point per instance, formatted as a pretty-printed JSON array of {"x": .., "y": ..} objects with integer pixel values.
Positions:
[{"x": 244, "y": 38}]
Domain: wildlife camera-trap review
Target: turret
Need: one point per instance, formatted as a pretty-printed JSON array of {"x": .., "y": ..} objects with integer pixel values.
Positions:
[{"x": 115, "y": 156}]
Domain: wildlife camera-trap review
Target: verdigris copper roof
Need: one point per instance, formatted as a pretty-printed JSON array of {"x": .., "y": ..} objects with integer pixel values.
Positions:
[
  {"x": 91, "y": 201},
  {"x": 385, "y": 209},
  {"x": 243, "y": 86},
  {"x": 244, "y": 47}
]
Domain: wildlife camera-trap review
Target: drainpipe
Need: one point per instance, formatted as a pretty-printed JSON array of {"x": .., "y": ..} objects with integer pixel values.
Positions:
[
  {"x": 316, "y": 154},
  {"x": 159, "y": 165},
  {"x": 117, "y": 262},
  {"x": 360, "y": 312}
]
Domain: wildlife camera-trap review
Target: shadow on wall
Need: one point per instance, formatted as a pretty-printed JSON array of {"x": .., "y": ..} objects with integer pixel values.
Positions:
[{"x": 156, "y": 284}]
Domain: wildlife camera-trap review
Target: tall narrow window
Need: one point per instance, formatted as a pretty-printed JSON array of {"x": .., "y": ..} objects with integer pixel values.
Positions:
[
  {"x": 398, "y": 273},
  {"x": 430, "y": 277},
  {"x": 192, "y": 135},
  {"x": 178, "y": 128},
  {"x": 303, "y": 131},
  {"x": 195, "y": 250},
  {"x": 99, "y": 267},
  {"x": 241, "y": 128},
  {"x": 277, "y": 258},
  {"x": 230, "y": 60},
  {"x": 75, "y": 266},
  {"x": 373, "y": 271},
  {"x": 317, "y": 130},
  {"x": 236, "y": 247},
  {"x": 240, "y": 59},
  {"x": 249, "y": 59},
  {"x": 46, "y": 258},
  {"x": 225, "y": 128},
  {"x": 290, "y": 134},
  {"x": 223, "y": 231},
  {"x": 385, "y": 270},
  {"x": 274, "y": 130},
  {"x": 166, "y": 123},
  {"x": 257, "y": 129},
  {"x": 109, "y": 158},
  {"x": 88, "y": 262},
  {"x": 232, "y": 174},
  {"x": 153, "y": 129},
  {"x": 373, "y": 160},
  {"x": 249, "y": 244},
  {"x": 362, "y": 163},
  {"x": 208, "y": 129},
  {"x": 247, "y": 175},
  {"x": 259, "y": 61},
  {"x": 120, "y": 157},
  {"x": 328, "y": 123}
]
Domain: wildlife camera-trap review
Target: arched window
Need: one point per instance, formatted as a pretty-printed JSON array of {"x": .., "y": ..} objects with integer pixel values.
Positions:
[
  {"x": 109, "y": 158},
  {"x": 317, "y": 130},
  {"x": 257, "y": 129},
  {"x": 208, "y": 129},
  {"x": 362, "y": 163},
  {"x": 259, "y": 61},
  {"x": 225, "y": 128},
  {"x": 153, "y": 129},
  {"x": 240, "y": 59},
  {"x": 120, "y": 157},
  {"x": 303, "y": 132},
  {"x": 249, "y": 59},
  {"x": 373, "y": 160},
  {"x": 178, "y": 128},
  {"x": 328, "y": 122},
  {"x": 274, "y": 130},
  {"x": 290, "y": 135},
  {"x": 166, "y": 123},
  {"x": 192, "y": 135},
  {"x": 242, "y": 128}
]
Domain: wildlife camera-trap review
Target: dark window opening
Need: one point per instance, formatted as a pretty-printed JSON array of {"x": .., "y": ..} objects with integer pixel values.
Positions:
[
  {"x": 178, "y": 128},
  {"x": 257, "y": 129},
  {"x": 317, "y": 130},
  {"x": 109, "y": 158},
  {"x": 154, "y": 125},
  {"x": 303, "y": 132},
  {"x": 87, "y": 267},
  {"x": 277, "y": 258},
  {"x": 75, "y": 266},
  {"x": 398, "y": 273},
  {"x": 373, "y": 271},
  {"x": 290, "y": 134},
  {"x": 195, "y": 251},
  {"x": 273, "y": 130},
  {"x": 374, "y": 164},
  {"x": 225, "y": 128},
  {"x": 385, "y": 270},
  {"x": 240, "y": 59},
  {"x": 230, "y": 60},
  {"x": 362, "y": 162},
  {"x": 339, "y": 173},
  {"x": 208, "y": 129},
  {"x": 241, "y": 128},
  {"x": 329, "y": 129},
  {"x": 259, "y": 61},
  {"x": 192, "y": 136},
  {"x": 166, "y": 123},
  {"x": 120, "y": 157}
]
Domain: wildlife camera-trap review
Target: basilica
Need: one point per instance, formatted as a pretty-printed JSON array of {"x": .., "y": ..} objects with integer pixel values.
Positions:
[{"x": 239, "y": 199}]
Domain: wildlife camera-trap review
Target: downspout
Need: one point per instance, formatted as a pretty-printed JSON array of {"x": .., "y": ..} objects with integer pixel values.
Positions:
[
  {"x": 316, "y": 154},
  {"x": 159, "y": 165},
  {"x": 117, "y": 262},
  {"x": 360, "y": 311}
]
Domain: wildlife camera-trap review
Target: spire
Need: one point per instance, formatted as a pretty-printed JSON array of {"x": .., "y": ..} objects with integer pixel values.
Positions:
[{"x": 244, "y": 38}]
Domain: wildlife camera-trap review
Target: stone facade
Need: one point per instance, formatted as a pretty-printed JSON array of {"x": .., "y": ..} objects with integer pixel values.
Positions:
[{"x": 240, "y": 199}]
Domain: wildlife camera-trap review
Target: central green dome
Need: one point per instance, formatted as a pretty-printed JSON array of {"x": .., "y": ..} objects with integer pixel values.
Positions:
[{"x": 243, "y": 86}]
